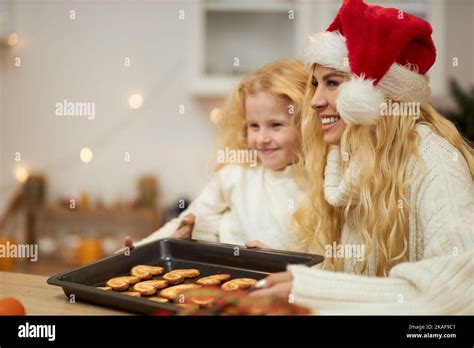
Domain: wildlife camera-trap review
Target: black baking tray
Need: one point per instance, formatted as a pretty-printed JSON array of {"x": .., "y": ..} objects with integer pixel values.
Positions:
[{"x": 210, "y": 258}]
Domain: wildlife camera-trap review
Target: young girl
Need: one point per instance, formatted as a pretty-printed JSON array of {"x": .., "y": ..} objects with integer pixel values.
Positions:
[
  {"x": 399, "y": 186},
  {"x": 246, "y": 200}
]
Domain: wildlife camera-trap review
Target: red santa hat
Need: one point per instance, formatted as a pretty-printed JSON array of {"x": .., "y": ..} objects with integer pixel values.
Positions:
[{"x": 386, "y": 51}]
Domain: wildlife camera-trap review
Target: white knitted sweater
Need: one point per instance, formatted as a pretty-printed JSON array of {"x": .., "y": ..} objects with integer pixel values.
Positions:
[
  {"x": 439, "y": 277},
  {"x": 240, "y": 204}
]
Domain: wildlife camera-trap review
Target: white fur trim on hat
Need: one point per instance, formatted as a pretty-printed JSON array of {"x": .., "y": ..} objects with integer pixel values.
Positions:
[
  {"x": 327, "y": 48},
  {"x": 359, "y": 101},
  {"x": 404, "y": 85}
]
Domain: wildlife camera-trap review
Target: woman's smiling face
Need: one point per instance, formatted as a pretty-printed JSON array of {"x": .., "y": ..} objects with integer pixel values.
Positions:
[{"x": 326, "y": 82}]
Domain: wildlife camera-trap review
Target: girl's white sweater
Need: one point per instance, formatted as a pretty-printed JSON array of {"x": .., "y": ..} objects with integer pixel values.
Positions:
[{"x": 240, "y": 204}]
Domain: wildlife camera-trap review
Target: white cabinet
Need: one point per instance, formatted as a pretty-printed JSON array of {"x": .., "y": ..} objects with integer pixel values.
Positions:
[{"x": 233, "y": 37}]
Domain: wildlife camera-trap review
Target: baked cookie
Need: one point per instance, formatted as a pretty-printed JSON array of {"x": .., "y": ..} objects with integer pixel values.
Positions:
[
  {"x": 203, "y": 301},
  {"x": 149, "y": 287},
  {"x": 239, "y": 283},
  {"x": 158, "y": 299},
  {"x": 188, "y": 273},
  {"x": 106, "y": 288},
  {"x": 173, "y": 278},
  {"x": 173, "y": 292},
  {"x": 122, "y": 283},
  {"x": 178, "y": 276},
  {"x": 215, "y": 279},
  {"x": 146, "y": 272},
  {"x": 131, "y": 293}
]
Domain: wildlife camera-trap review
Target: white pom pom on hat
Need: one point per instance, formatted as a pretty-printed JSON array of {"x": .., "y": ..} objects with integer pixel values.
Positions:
[{"x": 359, "y": 101}]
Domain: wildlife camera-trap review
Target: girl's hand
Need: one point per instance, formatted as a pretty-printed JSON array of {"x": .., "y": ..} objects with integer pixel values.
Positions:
[
  {"x": 277, "y": 285},
  {"x": 256, "y": 244},
  {"x": 185, "y": 229},
  {"x": 127, "y": 244}
]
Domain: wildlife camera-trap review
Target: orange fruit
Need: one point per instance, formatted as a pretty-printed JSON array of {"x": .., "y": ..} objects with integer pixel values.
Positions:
[
  {"x": 7, "y": 263},
  {"x": 90, "y": 250},
  {"x": 11, "y": 306}
]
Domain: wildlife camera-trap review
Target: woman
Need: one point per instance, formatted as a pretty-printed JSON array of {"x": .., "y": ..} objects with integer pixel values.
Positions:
[{"x": 399, "y": 186}]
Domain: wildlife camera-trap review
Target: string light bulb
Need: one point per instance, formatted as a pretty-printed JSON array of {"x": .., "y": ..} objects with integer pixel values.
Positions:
[
  {"x": 12, "y": 39},
  {"x": 22, "y": 174},
  {"x": 135, "y": 101},
  {"x": 86, "y": 155}
]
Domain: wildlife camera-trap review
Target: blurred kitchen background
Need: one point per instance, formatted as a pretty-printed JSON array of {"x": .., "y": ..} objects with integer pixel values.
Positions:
[{"x": 77, "y": 181}]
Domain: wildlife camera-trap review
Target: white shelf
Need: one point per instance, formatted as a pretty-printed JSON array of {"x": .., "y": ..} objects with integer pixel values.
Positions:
[
  {"x": 414, "y": 7},
  {"x": 250, "y": 5},
  {"x": 410, "y": 6},
  {"x": 214, "y": 86}
]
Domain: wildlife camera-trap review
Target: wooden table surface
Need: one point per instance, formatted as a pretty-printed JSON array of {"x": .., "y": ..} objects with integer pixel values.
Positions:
[{"x": 40, "y": 298}]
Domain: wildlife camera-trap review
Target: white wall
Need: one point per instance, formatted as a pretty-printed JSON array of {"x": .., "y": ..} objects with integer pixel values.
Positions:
[
  {"x": 460, "y": 42},
  {"x": 82, "y": 60}
]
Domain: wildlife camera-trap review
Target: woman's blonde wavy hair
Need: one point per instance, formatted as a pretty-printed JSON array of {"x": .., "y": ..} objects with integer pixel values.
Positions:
[
  {"x": 383, "y": 207},
  {"x": 285, "y": 80}
]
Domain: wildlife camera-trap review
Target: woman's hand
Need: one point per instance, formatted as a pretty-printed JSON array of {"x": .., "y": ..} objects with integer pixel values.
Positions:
[
  {"x": 256, "y": 244},
  {"x": 277, "y": 285},
  {"x": 185, "y": 229}
]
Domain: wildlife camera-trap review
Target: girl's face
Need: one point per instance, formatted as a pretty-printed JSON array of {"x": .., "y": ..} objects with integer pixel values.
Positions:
[
  {"x": 327, "y": 81},
  {"x": 269, "y": 130}
]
